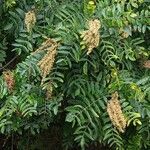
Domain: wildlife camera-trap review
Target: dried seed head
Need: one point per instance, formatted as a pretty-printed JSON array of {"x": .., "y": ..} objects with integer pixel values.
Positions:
[
  {"x": 146, "y": 64},
  {"x": 9, "y": 79},
  {"x": 49, "y": 91},
  {"x": 91, "y": 36},
  {"x": 115, "y": 113},
  {"x": 46, "y": 63},
  {"x": 30, "y": 20}
]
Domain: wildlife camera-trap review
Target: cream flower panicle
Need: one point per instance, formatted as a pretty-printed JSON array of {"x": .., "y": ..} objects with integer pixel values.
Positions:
[
  {"x": 115, "y": 113},
  {"x": 91, "y": 36},
  {"x": 47, "y": 62},
  {"x": 30, "y": 20}
]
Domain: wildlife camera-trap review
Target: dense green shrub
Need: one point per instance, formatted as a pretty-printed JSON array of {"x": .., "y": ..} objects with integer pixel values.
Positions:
[{"x": 75, "y": 87}]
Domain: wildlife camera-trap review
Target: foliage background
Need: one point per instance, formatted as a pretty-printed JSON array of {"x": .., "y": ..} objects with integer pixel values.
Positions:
[{"x": 82, "y": 84}]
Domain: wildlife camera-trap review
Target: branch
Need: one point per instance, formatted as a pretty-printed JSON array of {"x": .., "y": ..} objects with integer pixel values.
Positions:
[{"x": 8, "y": 63}]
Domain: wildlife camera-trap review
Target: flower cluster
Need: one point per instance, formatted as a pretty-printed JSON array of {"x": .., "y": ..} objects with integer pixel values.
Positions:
[
  {"x": 91, "y": 36},
  {"x": 30, "y": 20},
  {"x": 123, "y": 33},
  {"x": 115, "y": 113},
  {"x": 46, "y": 63}
]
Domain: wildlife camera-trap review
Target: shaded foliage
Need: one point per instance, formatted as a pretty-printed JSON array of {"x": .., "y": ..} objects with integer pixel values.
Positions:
[{"x": 76, "y": 92}]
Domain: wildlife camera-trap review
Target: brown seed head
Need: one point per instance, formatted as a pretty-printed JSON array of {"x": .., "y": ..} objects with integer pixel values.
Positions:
[
  {"x": 115, "y": 113},
  {"x": 49, "y": 91},
  {"x": 9, "y": 79},
  {"x": 146, "y": 64},
  {"x": 30, "y": 20},
  {"x": 91, "y": 36}
]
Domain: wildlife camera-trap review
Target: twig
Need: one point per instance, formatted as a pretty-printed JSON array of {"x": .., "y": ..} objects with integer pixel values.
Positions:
[
  {"x": 8, "y": 63},
  {"x": 5, "y": 141},
  {"x": 12, "y": 142}
]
